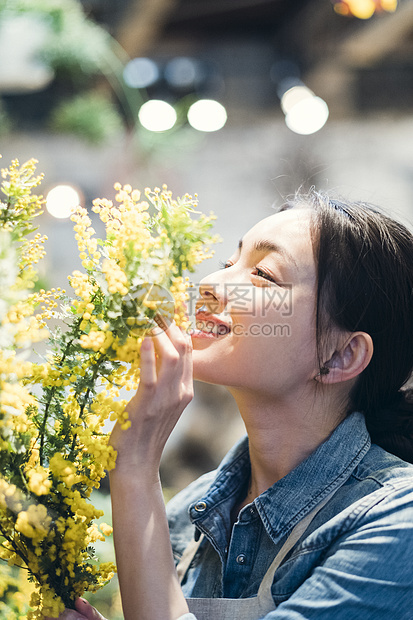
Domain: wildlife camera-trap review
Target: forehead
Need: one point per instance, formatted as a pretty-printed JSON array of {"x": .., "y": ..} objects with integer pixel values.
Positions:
[{"x": 289, "y": 229}]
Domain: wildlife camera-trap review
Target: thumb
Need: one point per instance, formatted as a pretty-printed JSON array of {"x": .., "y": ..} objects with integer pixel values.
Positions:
[{"x": 85, "y": 608}]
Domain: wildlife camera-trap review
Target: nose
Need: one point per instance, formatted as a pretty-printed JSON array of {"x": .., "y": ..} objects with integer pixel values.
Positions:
[
  {"x": 213, "y": 295},
  {"x": 210, "y": 299}
]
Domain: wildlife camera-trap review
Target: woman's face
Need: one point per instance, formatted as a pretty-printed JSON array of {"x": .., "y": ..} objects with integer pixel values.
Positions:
[{"x": 256, "y": 318}]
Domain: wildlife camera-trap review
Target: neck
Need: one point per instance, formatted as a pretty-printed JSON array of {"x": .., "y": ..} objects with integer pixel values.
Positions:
[{"x": 282, "y": 434}]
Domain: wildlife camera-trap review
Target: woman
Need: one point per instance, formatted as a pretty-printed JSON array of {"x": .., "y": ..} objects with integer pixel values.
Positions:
[{"x": 308, "y": 517}]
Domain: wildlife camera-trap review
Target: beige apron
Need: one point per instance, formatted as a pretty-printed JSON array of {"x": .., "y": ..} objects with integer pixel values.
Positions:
[{"x": 243, "y": 608}]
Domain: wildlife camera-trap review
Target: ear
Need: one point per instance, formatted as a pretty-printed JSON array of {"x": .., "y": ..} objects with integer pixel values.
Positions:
[{"x": 350, "y": 360}]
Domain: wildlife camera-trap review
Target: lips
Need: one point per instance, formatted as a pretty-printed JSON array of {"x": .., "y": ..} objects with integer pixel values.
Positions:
[{"x": 210, "y": 325}]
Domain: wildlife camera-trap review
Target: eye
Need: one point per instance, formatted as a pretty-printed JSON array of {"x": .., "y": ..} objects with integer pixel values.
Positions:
[
  {"x": 225, "y": 265},
  {"x": 262, "y": 274}
]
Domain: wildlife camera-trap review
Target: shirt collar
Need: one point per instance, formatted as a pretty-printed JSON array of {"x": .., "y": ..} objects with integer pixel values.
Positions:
[
  {"x": 291, "y": 498},
  {"x": 323, "y": 472}
]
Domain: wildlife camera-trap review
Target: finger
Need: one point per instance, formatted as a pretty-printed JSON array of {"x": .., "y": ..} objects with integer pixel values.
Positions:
[
  {"x": 184, "y": 371},
  {"x": 178, "y": 337},
  {"x": 148, "y": 363},
  {"x": 187, "y": 376},
  {"x": 183, "y": 344},
  {"x": 87, "y": 611},
  {"x": 169, "y": 347}
]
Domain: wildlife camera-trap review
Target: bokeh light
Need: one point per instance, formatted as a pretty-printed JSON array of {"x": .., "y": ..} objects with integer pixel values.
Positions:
[
  {"x": 157, "y": 115},
  {"x": 207, "y": 115},
  {"x": 364, "y": 9},
  {"x": 141, "y": 73},
  {"x": 62, "y": 200},
  {"x": 304, "y": 112},
  {"x": 183, "y": 72}
]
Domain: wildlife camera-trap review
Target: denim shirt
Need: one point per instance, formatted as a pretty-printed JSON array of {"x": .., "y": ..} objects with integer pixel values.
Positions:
[{"x": 354, "y": 561}]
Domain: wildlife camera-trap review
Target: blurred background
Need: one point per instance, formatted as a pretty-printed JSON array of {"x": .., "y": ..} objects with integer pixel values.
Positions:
[{"x": 239, "y": 101}]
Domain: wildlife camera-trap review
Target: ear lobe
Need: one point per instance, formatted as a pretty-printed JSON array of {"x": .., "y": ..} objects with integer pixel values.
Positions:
[{"x": 349, "y": 361}]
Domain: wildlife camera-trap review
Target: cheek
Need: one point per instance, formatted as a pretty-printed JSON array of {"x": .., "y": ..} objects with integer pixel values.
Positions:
[
  {"x": 272, "y": 337},
  {"x": 287, "y": 327},
  {"x": 303, "y": 329},
  {"x": 276, "y": 301},
  {"x": 267, "y": 311}
]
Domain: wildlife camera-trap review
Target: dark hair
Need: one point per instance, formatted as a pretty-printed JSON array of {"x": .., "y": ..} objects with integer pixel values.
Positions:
[{"x": 364, "y": 267}]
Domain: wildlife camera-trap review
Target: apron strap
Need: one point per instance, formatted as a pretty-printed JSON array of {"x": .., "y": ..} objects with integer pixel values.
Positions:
[
  {"x": 187, "y": 557},
  {"x": 264, "y": 591}
]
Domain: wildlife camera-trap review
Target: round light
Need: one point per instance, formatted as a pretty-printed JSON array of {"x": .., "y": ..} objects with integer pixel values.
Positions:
[
  {"x": 307, "y": 116},
  {"x": 157, "y": 115},
  {"x": 207, "y": 115},
  {"x": 389, "y": 5},
  {"x": 363, "y": 9},
  {"x": 140, "y": 73},
  {"x": 293, "y": 96},
  {"x": 181, "y": 72},
  {"x": 62, "y": 200}
]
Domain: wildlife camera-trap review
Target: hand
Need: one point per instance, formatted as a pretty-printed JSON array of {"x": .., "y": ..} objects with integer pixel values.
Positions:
[
  {"x": 84, "y": 611},
  {"x": 146, "y": 571},
  {"x": 165, "y": 389}
]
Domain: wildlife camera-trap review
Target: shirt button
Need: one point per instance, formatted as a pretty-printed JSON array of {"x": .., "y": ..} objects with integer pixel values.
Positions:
[
  {"x": 200, "y": 506},
  {"x": 241, "y": 558}
]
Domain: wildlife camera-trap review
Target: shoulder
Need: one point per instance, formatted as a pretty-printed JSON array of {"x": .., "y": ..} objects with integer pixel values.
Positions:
[
  {"x": 377, "y": 529},
  {"x": 377, "y": 498},
  {"x": 361, "y": 544},
  {"x": 358, "y": 562},
  {"x": 380, "y": 482},
  {"x": 382, "y": 467}
]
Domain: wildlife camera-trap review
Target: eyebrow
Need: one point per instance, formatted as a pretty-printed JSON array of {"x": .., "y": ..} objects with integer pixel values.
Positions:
[{"x": 265, "y": 245}]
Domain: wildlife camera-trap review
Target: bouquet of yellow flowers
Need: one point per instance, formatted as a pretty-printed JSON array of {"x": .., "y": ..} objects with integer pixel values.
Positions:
[{"x": 53, "y": 445}]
